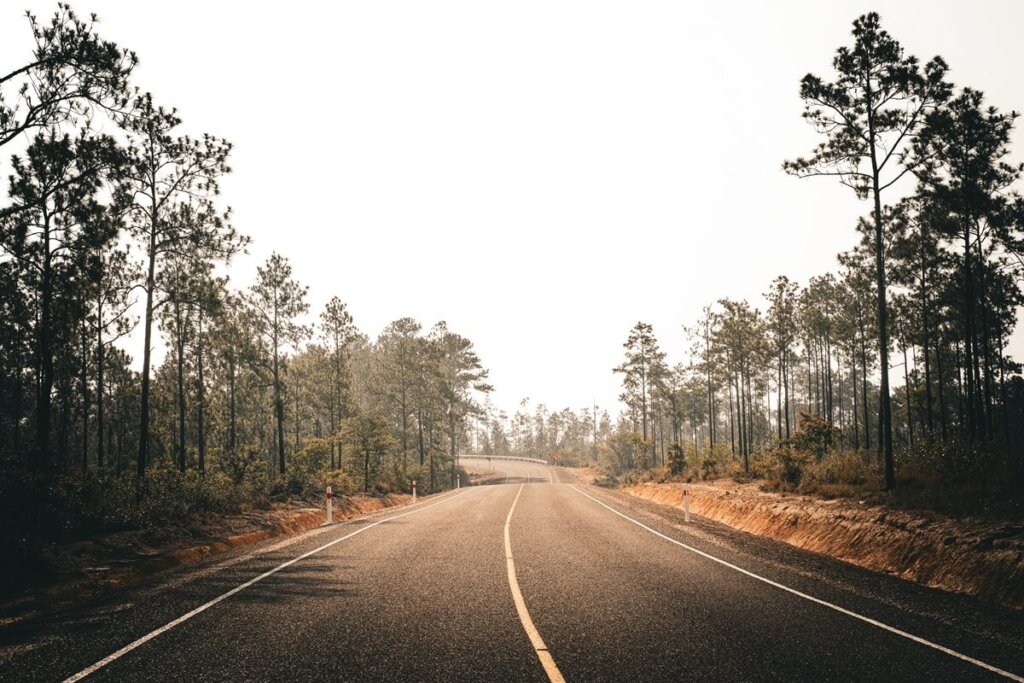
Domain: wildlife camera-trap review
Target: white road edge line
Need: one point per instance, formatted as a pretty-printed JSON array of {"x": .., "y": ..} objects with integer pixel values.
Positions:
[
  {"x": 546, "y": 660},
  {"x": 824, "y": 603},
  {"x": 207, "y": 605}
]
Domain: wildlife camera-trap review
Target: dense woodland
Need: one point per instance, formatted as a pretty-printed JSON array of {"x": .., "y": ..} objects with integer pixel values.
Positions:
[{"x": 112, "y": 229}]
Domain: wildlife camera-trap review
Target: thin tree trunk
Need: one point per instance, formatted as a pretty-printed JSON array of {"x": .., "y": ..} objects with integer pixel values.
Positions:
[
  {"x": 856, "y": 415},
  {"x": 201, "y": 398},
  {"x": 279, "y": 411},
  {"x": 85, "y": 396},
  {"x": 864, "y": 383},
  {"x": 180, "y": 347},
  {"x": 100, "y": 389},
  {"x": 943, "y": 413},
  {"x": 971, "y": 414},
  {"x": 883, "y": 308},
  {"x": 907, "y": 389},
  {"x": 778, "y": 403},
  {"x": 732, "y": 429},
  {"x": 232, "y": 411},
  {"x": 148, "y": 334},
  {"x": 785, "y": 380},
  {"x": 44, "y": 350}
]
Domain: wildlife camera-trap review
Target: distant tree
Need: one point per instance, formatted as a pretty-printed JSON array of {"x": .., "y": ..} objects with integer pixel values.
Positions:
[
  {"x": 868, "y": 116},
  {"x": 368, "y": 438},
  {"x": 781, "y": 327},
  {"x": 643, "y": 369},
  {"x": 740, "y": 336},
  {"x": 677, "y": 458},
  {"x": 398, "y": 372},
  {"x": 461, "y": 374},
  {"x": 337, "y": 332},
  {"x": 277, "y": 300},
  {"x": 233, "y": 346}
]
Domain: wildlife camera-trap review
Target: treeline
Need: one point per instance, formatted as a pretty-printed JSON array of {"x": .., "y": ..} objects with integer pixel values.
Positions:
[
  {"x": 567, "y": 437},
  {"x": 114, "y": 223},
  {"x": 929, "y": 294}
]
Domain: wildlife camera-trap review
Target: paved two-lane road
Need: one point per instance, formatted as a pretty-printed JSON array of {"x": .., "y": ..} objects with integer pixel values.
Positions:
[{"x": 605, "y": 588}]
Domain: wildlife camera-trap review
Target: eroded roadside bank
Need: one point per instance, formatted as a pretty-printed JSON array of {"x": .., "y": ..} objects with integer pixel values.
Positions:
[{"x": 977, "y": 557}]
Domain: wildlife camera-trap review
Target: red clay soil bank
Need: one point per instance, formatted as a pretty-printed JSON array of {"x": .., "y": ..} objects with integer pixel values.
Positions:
[
  {"x": 977, "y": 557},
  {"x": 283, "y": 523},
  {"x": 97, "y": 564}
]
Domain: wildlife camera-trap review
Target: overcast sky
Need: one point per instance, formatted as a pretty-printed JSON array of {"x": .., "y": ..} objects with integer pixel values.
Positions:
[{"x": 541, "y": 175}]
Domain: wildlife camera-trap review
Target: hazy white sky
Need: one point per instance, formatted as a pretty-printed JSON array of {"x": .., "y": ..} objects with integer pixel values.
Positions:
[{"x": 541, "y": 175}]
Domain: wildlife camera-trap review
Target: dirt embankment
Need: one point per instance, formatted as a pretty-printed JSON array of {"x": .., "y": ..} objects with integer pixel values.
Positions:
[
  {"x": 978, "y": 557},
  {"x": 97, "y": 564}
]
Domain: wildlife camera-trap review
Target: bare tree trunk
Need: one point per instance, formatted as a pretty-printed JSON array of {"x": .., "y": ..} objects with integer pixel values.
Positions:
[
  {"x": 885, "y": 410},
  {"x": 100, "y": 389},
  {"x": 44, "y": 351},
  {"x": 778, "y": 403},
  {"x": 864, "y": 383},
  {"x": 907, "y": 389},
  {"x": 180, "y": 362},
  {"x": 85, "y": 396},
  {"x": 279, "y": 412},
  {"x": 971, "y": 413},
  {"x": 201, "y": 398},
  {"x": 856, "y": 416},
  {"x": 943, "y": 413},
  {"x": 732, "y": 423},
  {"x": 785, "y": 380},
  {"x": 148, "y": 344},
  {"x": 232, "y": 411}
]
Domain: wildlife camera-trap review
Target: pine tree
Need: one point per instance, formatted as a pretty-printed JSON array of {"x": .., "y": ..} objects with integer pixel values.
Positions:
[{"x": 868, "y": 117}]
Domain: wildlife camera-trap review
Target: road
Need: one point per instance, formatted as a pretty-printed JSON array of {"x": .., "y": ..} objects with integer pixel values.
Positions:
[{"x": 536, "y": 579}]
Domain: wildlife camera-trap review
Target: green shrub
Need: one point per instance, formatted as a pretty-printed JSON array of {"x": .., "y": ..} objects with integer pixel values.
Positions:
[
  {"x": 676, "y": 459},
  {"x": 814, "y": 435},
  {"x": 783, "y": 465},
  {"x": 854, "y": 468}
]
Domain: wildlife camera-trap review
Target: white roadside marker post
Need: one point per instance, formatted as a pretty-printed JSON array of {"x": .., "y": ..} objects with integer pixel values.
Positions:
[
  {"x": 414, "y": 490},
  {"x": 458, "y": 481},
  {"x": 330, "y": 505},
  {"x": 686, "y": 502}
]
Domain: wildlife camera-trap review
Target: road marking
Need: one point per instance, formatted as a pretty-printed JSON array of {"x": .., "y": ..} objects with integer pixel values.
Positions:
[
  {"x": 546, "y": 660},
  {"x": 205, "y": 606},
  {"x": 824, "y": 603}
]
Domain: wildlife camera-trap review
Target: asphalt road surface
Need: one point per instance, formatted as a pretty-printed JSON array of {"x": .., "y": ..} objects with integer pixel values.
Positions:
[{"x": 536, "y": 579}]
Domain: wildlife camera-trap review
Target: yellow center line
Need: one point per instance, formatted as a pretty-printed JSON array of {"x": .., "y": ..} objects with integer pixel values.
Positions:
[{"x": 546, "y": 660}]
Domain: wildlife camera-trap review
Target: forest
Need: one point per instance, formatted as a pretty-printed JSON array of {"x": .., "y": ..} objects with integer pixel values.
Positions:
[
  {"x": 115, "y": 241},
  {"x": 114, "y": 230},
  {"x": 792, "y": 388}
]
